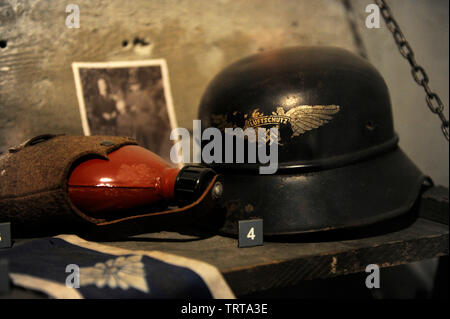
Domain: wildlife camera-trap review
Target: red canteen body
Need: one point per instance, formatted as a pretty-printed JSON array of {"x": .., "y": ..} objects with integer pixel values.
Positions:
[{"x": 132, "y": 177}]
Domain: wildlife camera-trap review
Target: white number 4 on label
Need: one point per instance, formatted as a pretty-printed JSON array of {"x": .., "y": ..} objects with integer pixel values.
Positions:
[{"x": 250, "y": 233}]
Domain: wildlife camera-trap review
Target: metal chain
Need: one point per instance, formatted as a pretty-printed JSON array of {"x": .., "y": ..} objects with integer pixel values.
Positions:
[{"x": 420, "y": 76}]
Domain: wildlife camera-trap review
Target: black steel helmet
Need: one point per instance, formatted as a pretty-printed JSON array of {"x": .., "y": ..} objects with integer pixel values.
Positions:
[{"x": 339, "y": 163}]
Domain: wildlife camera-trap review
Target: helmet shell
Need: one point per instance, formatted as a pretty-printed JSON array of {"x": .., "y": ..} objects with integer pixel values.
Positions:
[{"x": 330, "y": 105}]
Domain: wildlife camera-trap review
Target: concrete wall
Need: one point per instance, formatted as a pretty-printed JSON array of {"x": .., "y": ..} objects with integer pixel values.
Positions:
[
  {"x": 198, "y": 38},
  {"x": 425, "y": 25}
]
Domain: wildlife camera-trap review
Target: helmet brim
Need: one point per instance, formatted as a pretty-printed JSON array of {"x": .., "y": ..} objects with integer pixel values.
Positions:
[{"x": 351, "y": 196}]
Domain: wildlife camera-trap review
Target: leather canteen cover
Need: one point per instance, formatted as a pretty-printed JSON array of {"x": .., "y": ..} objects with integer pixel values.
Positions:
[{"x": 34, "y": 192}]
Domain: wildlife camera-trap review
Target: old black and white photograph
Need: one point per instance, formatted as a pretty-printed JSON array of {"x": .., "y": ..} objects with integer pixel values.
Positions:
[{"x": 127, "y": 99}]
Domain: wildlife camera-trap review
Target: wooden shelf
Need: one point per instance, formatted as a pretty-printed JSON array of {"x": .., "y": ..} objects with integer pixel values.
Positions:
[{"x": 285, "y": 262}]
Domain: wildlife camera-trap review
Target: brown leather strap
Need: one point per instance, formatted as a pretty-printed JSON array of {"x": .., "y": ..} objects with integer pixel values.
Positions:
[
  {"x": 206, "y": 210},
  {"x": 165, "y": 212}
]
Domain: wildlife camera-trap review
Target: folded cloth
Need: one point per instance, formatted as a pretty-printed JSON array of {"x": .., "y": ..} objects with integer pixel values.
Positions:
[{"x": 67, "y": 266}]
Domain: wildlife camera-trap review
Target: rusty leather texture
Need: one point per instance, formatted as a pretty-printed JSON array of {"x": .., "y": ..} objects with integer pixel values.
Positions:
[{"x": 33, "y": 187}]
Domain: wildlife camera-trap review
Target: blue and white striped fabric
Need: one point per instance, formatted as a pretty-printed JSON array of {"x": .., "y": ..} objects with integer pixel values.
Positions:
[{"x": 67, "y": 266}]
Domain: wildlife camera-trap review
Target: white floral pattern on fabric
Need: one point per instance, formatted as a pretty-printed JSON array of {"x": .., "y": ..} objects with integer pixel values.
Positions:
[{"x": 123, "y": 272}]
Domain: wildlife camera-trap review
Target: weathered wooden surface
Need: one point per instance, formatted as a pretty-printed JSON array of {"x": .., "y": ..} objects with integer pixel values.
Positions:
[
  {"x": 290, "y": 260},
  {"x": 435, "y": 205},
  {"x": 278, "y": 264},
  {"x": 287, "y": 262}
]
